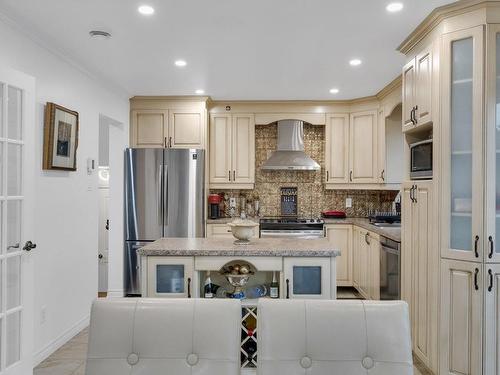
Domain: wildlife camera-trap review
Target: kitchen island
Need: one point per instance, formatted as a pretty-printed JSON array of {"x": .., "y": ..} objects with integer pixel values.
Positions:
[{"x": 177, "y": 267}]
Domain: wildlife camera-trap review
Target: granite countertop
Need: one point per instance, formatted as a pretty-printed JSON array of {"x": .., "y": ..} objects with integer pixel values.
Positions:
[
  {"x": 225, "y": 247},
  {"x": 391, "y": 233}
]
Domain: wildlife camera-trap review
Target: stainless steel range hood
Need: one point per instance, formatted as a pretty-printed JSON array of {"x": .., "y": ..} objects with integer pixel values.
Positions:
[{"x": 290, "y": 154}]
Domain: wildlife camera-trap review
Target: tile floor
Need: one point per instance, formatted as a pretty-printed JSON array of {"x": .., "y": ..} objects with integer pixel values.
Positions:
[{"x": 70, "y": 359}]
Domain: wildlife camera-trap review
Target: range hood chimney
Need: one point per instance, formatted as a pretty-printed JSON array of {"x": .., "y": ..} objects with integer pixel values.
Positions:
[{"x": 290, "y": 154}]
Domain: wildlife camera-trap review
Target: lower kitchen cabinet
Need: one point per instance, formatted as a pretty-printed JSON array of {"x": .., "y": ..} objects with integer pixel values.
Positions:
[
  {"x": 170, "y": 277},
  {"x": 461, "y": 318},
  {"x": 341, "y": 237},
  {"x": 366, "y": 263},
  {"x": 224, "y": 231},
  {"x": 492, "y": 323},
  {"x": 309, "y": 278}
]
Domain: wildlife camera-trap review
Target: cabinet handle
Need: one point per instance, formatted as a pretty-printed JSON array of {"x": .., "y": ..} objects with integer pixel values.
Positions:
[
  {"x": 411, "y": 116},
  {"x": 234, "y": 175},
  {"x": 490, "y": 239},
  {"x": 476, "y": 245},
  {"x": 189, "y": 287},
  {"x": 490, "y": 287},
  {"x": 327, "y": 176},
  {"x": 367, "y": 236},
  {"x": 287, "y": 289},
  {"x": 414, "y": 195},
  {"x": 411, "y": 194},
  {"x": 350, "y": 176},
  {"x": 229, "y": 176},
  {"x": 382, "y": 175},
  {"x": 476, "y": 285},
  {"x": 165, "y": 142},
  {"x": 170, "y": 142}
]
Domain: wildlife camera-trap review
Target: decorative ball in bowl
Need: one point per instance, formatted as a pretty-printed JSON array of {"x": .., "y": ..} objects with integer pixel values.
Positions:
[{"x": 243, "y": 230}]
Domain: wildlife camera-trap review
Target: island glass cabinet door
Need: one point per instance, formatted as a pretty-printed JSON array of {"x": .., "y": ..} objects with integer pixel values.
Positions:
[
  {"x": 462, "y": 153},
  {"x": 307, "y": 278},
  {"x": 170, "y": 277}
]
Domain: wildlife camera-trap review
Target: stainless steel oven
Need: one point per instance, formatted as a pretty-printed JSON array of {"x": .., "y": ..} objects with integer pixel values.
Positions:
[
  {"x": 421, "y": 160},
  {"x": 390, "y": 269},
  {"x": 291, "y": 228}
]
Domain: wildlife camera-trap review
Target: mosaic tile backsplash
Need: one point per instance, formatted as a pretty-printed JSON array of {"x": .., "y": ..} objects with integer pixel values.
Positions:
[{"x": 312, "y": 196}]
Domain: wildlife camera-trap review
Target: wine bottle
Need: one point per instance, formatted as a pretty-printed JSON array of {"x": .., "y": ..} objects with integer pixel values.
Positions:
[
  {"x": 274, "y": 290},
  {"x": 209, "y": 287}
]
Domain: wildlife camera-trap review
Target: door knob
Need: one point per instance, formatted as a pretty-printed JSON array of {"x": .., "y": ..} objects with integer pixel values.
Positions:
[{"x": 28, "y": 246}]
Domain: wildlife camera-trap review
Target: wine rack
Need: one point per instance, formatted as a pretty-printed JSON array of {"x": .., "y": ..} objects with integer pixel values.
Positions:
[{"x": 248, "y": 348}]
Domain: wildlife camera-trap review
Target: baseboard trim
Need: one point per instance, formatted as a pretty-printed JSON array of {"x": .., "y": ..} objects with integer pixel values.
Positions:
[
  {"x": 43, "y": 354},
  {"x": 117, "y": 293}
]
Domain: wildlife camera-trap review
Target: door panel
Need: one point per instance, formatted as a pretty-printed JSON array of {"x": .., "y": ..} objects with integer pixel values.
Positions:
[
  {"x": 461, "y": 318},
  {"x": 340, "y": 237},
  {"x": 408, "y": 94},
  {"x": 492, "y": 323},
  {"x": 17, "y": 105},
  {"x": 423, "y": 87},
  {"x": 143, "y": 186},
  {"x": 307, "y": 278},
  {"x": 149, "y": 128},
  {"x": 220, "y": 148},
  {"x": 243, "y": 153},
  {"x": 363, "y": 153},
  {"x": 337, "y": 149},
  {"x": 185, "y": 129}
]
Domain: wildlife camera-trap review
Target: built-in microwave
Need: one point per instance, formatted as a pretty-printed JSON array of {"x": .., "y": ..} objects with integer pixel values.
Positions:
[{"x": 421, "y": 160}]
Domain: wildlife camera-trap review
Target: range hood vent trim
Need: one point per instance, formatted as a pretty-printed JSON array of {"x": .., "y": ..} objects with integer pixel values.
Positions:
[{"x": 290, "y": 154}]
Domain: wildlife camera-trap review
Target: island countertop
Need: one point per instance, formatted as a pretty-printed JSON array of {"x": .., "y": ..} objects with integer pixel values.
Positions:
[{"x": 226, "y": 247}]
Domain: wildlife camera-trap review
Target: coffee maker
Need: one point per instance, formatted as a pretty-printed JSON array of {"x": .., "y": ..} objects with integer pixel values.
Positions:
[{"x": 214, "y": 206}]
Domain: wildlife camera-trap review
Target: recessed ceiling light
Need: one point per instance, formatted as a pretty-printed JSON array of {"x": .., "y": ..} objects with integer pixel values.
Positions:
[
  {"x": 334, "y": 91},
  {"x": 355, "y": 62},
  {"x": 394, "y": 7},
  {"x": 146, "y": 10},
  {"x": 99, "y": 34},
  {"x": 180, "y": 63},
  {"x": 200, "y": 91}
]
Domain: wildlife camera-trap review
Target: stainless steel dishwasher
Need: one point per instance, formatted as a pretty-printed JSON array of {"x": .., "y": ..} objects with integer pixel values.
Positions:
[{"x": 390, "y": 269}]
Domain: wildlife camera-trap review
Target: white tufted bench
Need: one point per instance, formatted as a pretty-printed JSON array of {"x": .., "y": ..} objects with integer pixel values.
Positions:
[
  {"x": 164, "y": 336},
  {"x": 334, "y": 338}
]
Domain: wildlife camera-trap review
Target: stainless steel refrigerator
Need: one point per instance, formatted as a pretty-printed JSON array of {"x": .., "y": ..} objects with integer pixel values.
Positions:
[{"x": 164, "y": 197}]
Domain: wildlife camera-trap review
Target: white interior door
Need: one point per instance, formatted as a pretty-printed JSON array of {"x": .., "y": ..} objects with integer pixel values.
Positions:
[{"x": 16, "y": 229}]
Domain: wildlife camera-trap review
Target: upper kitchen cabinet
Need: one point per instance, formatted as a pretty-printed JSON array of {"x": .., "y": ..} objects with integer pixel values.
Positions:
[
  {"x": 232, "y": 151},
  {"x": 168, "y": 122},
  {"x": 351, "y": 149},
  {"x": 417, "y": 90}
]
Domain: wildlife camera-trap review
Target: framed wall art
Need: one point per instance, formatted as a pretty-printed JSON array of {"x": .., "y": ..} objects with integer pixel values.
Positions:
[{"x": 60, "y": 138}]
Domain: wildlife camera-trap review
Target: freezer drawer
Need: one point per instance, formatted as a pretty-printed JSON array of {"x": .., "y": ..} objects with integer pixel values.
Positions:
[{"x": 132, "y": 272}]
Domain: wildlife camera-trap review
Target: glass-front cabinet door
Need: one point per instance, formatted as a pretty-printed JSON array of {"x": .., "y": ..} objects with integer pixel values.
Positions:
[
  {"x": 462, "y": 146},
  {"x": 307, "y": 278},
  {"x": 492, "y": 139},
  {"x": 170, "y": 277}
]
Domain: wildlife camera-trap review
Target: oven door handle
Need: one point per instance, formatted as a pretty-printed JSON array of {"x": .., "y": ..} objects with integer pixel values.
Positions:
[
  {"x": 390, "y": 250},
  {"x": 273, "y": 233}
]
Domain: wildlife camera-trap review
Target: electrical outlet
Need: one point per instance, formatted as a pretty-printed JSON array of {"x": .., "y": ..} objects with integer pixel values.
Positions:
[
  {"x": 232, "y": 202},
  {"x": 348, "y": 203},
  {"x": 43, "y": 314}
]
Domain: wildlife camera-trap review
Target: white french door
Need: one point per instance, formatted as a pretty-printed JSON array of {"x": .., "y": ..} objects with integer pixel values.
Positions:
[{"x": 17, "y": 104}]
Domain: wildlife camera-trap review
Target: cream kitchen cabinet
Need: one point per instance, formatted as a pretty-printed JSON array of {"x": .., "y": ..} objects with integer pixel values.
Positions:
[
  {"x": 417, "y": 90},
  {"x": 224, "y": 231},
  {"x": 232, "y": 151},
  {"x": 170, "y": 277},
  {"x": 492, "y": 313},
  {"x": 341, "y": 237},
  {"x": 309, "y": 278},
  {"x": 420, "y": 270},
  {"x": 351, "y": 149},
  {"x": 461, "y": 338},
  {"x": 366, "y": 263},
  {"x": 173, "y": 128}
]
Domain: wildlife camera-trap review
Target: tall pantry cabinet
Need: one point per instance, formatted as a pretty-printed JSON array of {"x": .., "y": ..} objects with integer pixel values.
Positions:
[{"x": 466, "y": 214}]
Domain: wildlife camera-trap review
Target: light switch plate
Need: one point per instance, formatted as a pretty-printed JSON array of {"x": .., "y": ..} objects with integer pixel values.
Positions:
[
  {"x": 232, "y": 202},
  {"x": 348, "y": 202}
]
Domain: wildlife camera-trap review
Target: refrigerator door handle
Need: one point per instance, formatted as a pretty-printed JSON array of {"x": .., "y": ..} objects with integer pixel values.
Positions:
[
  {"x": 159, "y": 214},
  {"x": 165, "y": 196}
]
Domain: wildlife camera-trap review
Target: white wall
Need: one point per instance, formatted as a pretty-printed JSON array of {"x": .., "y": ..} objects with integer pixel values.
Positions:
[{"x": 66, "y": 209}]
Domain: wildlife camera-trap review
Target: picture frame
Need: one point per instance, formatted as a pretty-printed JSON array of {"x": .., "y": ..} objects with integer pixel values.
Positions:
[{"x": 60, "y": 138}]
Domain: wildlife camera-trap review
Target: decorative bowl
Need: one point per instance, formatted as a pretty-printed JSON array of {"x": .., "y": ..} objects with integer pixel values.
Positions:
[{"x": 243, "y": 230}]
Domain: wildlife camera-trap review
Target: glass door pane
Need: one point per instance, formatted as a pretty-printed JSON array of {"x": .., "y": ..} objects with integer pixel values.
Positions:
[
  {"x": 461, "y": 130},
  {"x": 170, "y": 278},
  {"x": 307, "y": 280}
]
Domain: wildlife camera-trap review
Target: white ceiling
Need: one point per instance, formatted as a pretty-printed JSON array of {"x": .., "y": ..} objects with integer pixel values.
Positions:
[{"x": 260, "y": 49}]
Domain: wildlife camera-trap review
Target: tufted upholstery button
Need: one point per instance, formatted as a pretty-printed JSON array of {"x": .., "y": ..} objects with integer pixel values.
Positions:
[
  {"x": 192, "y": 359},
  {"x": 305, "y": 362},
  {"x": 132, "y": 359},
  {"x": 368, "y": 362}
]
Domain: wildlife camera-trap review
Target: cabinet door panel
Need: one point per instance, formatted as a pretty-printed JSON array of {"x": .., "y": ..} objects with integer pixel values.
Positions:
[
  {"x": 337, "y": 149},
  {"x": 407, "y": 232},
  {"x": 341, "y": 237},
  {"x": 408, "y": 94},
  {"x": 461, "y": 318},
  {"x": 356, "y": 258},
  {"x": 243, "y": 149},
  {"x": 423, "y": 87},
  {"x": 492, "y": 323},
  {"x": 186, "y": 129},
  {"x": 220, "y": 148},
  {"x": 374, "y": 268},
  {"x": 462, "y": 149},
  {"x": 149, "y": 128},
  {"x": 307, "y": 278},
  {"x": 170, "y": 277},
  {"x": 363, "y": 152}
]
